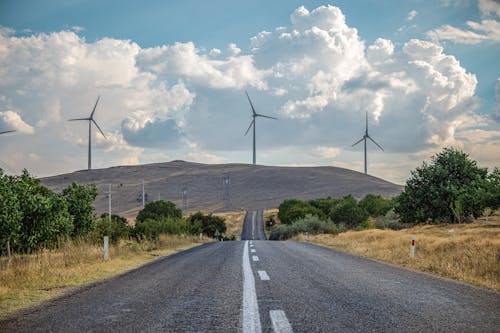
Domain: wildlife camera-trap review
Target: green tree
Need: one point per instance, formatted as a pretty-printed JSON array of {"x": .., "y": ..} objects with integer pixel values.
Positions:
[
  {"x": 209, "y": 223},
  {"x": 324, "y": 204},
  {"x": 375, "y": 205},
  {"x": 291, "y": 210},
  {"x": 116, "y": 228},
  {"x": 349, "y": 213},
  {"x": 10, "y": 214},
  {"x": 80, "y": 200},
  {"x": 451, "y": 188},
  {"x": 45, "y": 215},
  {"x": 157, "y": 210}
]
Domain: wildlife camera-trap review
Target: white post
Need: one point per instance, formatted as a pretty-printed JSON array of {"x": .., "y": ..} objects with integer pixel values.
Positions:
[
  {"x": 412, "y": 246},
  {"x": 106, "y": 248},
  {"x": 201, "y": 236}
]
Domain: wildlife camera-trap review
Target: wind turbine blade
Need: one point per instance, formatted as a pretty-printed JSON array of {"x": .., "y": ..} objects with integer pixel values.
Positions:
[
  {"x": 75, "y": 119},
  {"x": 358, "y": 141},
  {"x": 99, "y": 128},
  {"x": 264, "y": 116},
  {"x": 369, "y": 137},
  {"x": 253, "y": 121},
  {"x": 92, "y": 114},
  {"x": 10, "y": 131},
  {"x": 251, "y": 105}
]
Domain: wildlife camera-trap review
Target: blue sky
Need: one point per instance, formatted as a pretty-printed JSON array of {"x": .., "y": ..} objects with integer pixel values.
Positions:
[{"x": 158, "y": 43}]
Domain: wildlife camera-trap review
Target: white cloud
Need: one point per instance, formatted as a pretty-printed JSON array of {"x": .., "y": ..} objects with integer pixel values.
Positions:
[
  {"x": 488, "y": 7},
  {"x": 326, "y": 152},
  {"x": 496, "y": 110},
  {"x": 487, "y": 30},
  {"x": 12, "y": 120},
  {"x": 411, "y": 15}
]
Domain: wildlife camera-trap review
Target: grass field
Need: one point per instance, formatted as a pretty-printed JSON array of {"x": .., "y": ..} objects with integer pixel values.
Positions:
[
  {"x": 30, "y": 279},
  {"x": 234, "y": 223},
  {"x": 466, "y": 252}
]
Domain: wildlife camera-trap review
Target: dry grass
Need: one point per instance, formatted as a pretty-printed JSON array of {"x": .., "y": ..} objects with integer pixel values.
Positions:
[
  {"x": 30, "y": 279},
  {"x": 468, "y": 253},
  {"x": 234, "y": 222}
]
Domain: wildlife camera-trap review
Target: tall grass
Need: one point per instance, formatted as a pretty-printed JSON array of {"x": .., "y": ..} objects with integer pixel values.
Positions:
[
  {"x": 29, "y": 279},
  {"x": 468, "y": 253}
]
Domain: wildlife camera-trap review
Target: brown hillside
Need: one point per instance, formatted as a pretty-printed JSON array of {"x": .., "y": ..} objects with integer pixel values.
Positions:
[{"x": 251, "y": 187}]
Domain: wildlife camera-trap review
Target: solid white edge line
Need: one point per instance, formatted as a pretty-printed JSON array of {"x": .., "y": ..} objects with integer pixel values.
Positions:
[
  {"x": 255, "y": 258},
  {"x": 251, "y": 318},
  {"x": 263, "y": 276},
  {"x": 252, "y": 250},
  {"x": 280, "y": 321}
]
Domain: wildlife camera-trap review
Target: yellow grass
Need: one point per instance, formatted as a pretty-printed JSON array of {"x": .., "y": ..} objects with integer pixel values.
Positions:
[
  {"x": 234, "y": 222},
  {"x": 30, "y": 279},
  {"x": 468, "y": 253}
]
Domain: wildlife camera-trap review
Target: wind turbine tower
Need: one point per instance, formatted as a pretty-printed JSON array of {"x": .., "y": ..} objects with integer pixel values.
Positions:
[
  {"x": 91, "y": 120},
  {"x": 252, "y": 124},
  {"x": 367, "y": 136}
]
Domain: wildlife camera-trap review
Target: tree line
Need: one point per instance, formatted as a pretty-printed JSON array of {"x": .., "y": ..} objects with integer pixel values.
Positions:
[{"x": 34, "y": 217}]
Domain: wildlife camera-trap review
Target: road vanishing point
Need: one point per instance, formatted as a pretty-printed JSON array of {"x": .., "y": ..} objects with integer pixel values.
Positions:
[{"x": 256, "y": 285}]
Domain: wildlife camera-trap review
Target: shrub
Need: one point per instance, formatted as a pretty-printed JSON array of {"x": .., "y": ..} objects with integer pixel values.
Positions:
[
  {"x": 80, "y": 200},
  {"x": 325, "y": 205},
  {"x": 152, "y": 229},
  {"x": 310, "y": 223},
  {"x": 293, "y": 209},
  {"x": 375, "y": 205},
  {"x": 116, "y": 228},
  {"x": 281, "y": 232},
  {"x": 207, "y": 224},
  {"x": 157, "y": 210},
  {"x": 349, "y": 213}
]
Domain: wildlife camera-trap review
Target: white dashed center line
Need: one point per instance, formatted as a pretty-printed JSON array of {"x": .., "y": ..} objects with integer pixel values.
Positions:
[
  {"x": 255, "y": 258},
  {"x": 252, "y": 250},
  {"x": 263, "y": 276},
  {"x": 280, "y": 321},
  {"x": 251, "y": 319}
]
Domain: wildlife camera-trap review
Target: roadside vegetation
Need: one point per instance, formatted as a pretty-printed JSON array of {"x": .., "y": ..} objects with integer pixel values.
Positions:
[
  {"x": 51, "y": 241},
  {"x": 440, "y": 205}
]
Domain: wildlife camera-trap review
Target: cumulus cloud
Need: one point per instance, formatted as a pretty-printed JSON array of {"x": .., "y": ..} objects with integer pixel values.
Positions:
[
  {"x": 12, "y": 120},
  {"x": 141, "y": 130},
  {"x": 488, "y": 7}
]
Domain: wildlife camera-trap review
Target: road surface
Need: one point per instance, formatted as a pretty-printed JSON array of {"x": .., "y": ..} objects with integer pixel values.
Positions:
[
  {"x": 253, "y": 226},
  {"x": 267, "y": 286}
]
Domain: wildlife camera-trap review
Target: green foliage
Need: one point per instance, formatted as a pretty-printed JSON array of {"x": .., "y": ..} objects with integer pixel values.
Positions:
[
  {"x": 349, "y": 213},
  {"x": 375, "y": 205},
  {"x": 325, "y": 204},
  {"x": 311, "y": 224},
  {"x": 157, "y": 210},
  {"x": 451, "y": 188},
  {"x": 152, "y": 229},
  {"x": 10, "y": 213},
  {"x": 80, "y": 200},
  {"x": 45, "y": 215},
  {"x": 293, "y": 209},
  {"x": 208, "y": 223},
  {"x": 116, "y": 228},
  {"x": 270, "y": 221}
]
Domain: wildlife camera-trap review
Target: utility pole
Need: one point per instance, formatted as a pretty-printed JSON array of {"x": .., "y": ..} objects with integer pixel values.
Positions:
[
  {"x": 226, "y": 182},
  {"x": 184, "y": 199},
  {"x": 109, "y": 201}
]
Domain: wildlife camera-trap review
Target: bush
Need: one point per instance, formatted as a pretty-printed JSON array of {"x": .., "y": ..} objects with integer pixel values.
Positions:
[
  {"x": 207, "y": 224},
  {"x": 157, "y": 210},
  {"x": 116, "y": 228},
  {"x": 309, "y": 224},
  {"x": 152, "y": 229},
  {"x": 325, "y": 205},
  {"x": 293, "y": 209},
  {"x": 349, "y": 213},
  {"x": 375, "y": 205}
]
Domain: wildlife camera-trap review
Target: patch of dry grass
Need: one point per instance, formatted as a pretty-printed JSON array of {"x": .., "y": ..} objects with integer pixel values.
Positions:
[
  {"x": 30, "y": 279},
  {"x": 464, "y": 252},
  {"x": 234, "y": 222}
]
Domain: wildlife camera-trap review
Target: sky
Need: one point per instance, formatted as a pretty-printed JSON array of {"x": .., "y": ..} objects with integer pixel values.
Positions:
[{"x": 172, "y": 75}]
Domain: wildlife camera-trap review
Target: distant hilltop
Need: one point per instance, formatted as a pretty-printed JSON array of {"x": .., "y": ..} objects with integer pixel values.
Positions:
[{"x": 220, "y": 187}]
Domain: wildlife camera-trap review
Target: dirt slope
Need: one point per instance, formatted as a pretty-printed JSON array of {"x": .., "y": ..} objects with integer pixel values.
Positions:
[{"x": 251, "y": 187}]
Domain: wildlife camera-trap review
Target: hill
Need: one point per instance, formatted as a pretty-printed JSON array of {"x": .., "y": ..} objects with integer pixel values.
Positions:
[{"x": 251, "y": 186}]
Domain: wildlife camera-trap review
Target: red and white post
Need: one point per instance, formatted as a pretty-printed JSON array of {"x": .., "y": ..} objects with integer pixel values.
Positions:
[{"x": 412, "y": 246}]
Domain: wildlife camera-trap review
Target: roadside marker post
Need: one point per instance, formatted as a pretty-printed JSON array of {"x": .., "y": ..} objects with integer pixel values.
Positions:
[
  {"x": 412, "y": 246},
  {"x": 106, "y": 248}
]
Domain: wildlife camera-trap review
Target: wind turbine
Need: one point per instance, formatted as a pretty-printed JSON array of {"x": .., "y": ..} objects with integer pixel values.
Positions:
[
  {"x": 3, "y": 132},
  {"x": 252, "y": 124},
  {"x": 367, "y": 136},
  {"x": 91, "y": 120}
]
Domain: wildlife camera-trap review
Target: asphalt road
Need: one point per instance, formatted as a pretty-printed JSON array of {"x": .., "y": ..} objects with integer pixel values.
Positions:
[
  {"x": 253, "y": 226},
  {"x": 267, "y": 286}
]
